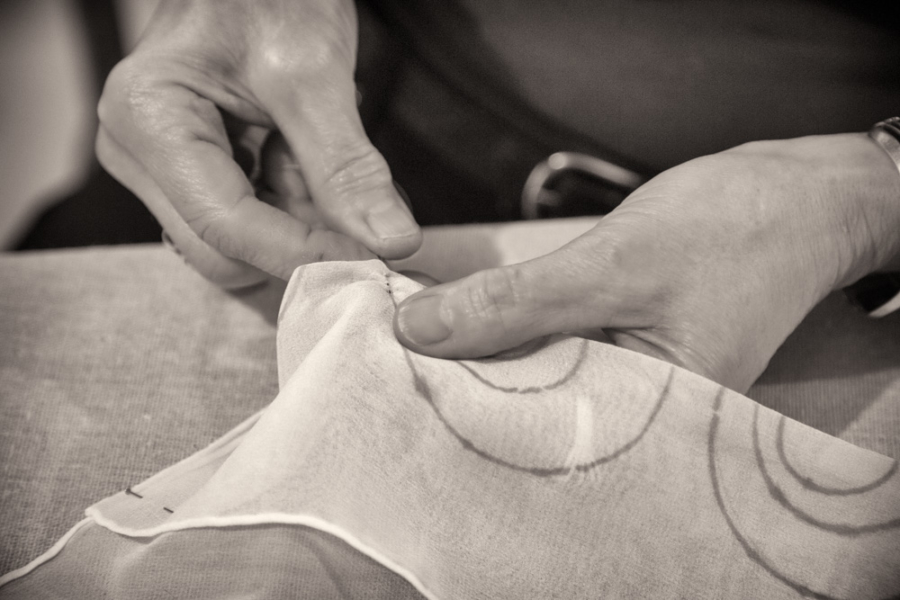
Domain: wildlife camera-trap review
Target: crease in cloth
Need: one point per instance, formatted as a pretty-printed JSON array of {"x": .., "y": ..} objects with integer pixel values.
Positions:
[{"x": 570, "y": 469}]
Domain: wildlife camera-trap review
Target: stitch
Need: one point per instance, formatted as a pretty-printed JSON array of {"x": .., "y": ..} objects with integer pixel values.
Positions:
[
  {"x": 129, "y": 492},
  {"x": 168, "y": 510},
  {"x": 387, "y": 281}
]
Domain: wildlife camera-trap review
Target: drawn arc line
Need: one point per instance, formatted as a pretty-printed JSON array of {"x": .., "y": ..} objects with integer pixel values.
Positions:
[
  {"x": 582, "y": 353},
  {"x": 421, "y": 387},
  {"x": 778, "y": 494},
  {"x": 829, "y": 491},
  {"x": 751, "y": 552}
]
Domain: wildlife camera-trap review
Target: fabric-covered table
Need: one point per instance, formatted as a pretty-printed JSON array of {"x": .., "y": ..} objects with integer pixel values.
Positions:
[{"x": 118, "y": 362}]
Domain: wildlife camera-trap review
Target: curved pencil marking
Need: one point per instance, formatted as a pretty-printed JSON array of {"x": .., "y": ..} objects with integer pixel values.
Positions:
[
  {"x": 779, "y": 496},
  {"x": 421, "y": 387},
  {"x": 634, "y": 441},
  {"x": 812, "y": 485},
  {"x": 520, "y": 351},
  {"x": 582, "y": 353},
  {"x": 752, "y": 553}
]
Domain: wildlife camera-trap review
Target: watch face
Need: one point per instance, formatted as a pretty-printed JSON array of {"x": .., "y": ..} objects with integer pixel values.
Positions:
[{"x": 874, "y": 291}]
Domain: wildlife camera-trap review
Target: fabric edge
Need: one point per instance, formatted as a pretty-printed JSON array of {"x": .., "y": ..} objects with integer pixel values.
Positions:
[
  {"x": 213, "y": 449},
  {"x": 267, "y": 519},
  {"x": 46, "y": 556}
]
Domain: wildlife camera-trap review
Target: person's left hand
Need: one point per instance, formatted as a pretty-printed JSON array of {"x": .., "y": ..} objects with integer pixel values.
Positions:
[
  {"x": 184, "y": 117},
  {"x": 710, "y": 265}
]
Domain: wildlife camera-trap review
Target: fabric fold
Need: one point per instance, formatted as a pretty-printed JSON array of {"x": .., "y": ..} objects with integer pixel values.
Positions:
[{"x": 565, "y": 468}]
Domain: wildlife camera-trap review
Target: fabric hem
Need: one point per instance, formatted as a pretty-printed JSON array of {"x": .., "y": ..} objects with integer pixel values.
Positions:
[
  {"x": 268, "y": 519},
  {"x": 46, "y": 556}
]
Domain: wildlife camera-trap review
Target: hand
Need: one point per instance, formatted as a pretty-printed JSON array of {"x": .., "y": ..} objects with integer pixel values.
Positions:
[
  {"x": 710, "y": 265},
  {"x": 201, "y": 93}
]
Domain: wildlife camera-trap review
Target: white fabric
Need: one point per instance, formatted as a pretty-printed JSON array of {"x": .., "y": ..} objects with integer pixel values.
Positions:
[{"x": 566, "y": 469}]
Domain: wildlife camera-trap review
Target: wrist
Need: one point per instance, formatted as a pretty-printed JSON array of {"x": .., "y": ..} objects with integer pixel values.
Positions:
[
  {"x": 859, "y": 187},
  {"x": 840, "y": 205},
  {"x": 878, "y": 212},
  {"x": 886, "y": 135}
]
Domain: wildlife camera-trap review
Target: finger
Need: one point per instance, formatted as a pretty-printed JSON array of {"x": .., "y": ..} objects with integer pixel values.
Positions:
[
  {"x": 349, "y": 180},
  {"x": 280, "y": 170},
  {"x": 501, "y": 308},
  {"x": 209, "y": 262},
  {"x": 281, "y": 174},
  {"x": 185, "y": 150},
  {"x": 302, "y": 211}
]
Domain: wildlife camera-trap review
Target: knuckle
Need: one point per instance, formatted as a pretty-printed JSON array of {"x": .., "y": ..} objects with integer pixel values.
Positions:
[
  {"x": 221, "y": 228},
  {"x": 123, "y": 92},
  {"x": 133, "y": 101},
  {"x": 316, "y": 57},
  {"x": 323, "y": 47},
  {"x": 493, "y": 293},
  {"x": 211, "y": 226},
  {"x": 360, "y": 170}
]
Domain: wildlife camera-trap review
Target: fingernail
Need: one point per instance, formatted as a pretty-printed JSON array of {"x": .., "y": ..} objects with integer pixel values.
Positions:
[
  {"x": 421, "y": 321},
  {"x": 391, "y": 221}
]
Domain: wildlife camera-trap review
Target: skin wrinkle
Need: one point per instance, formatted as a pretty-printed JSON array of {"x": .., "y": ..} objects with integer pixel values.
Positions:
[
  {"x": 145, "y": 99},
  {"x": 192, "y": 185},
  {"x": 599, "y": 252},
  {"x": 296, "y": 62},
  {"x": 659, "y": 344},
  {"x": 213, "y": 226},
  {"x": 114, "y": 157},
  {"x": 199, "y": 60},
  {"x": 501, "y": 290},
  {"x": 360, "y": 171}
]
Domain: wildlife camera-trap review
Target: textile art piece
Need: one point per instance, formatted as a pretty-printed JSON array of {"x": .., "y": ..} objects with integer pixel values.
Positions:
[{"x": 565, "y": 468}]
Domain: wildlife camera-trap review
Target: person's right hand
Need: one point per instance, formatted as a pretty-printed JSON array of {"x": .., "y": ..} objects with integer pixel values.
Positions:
[{"x": 207, "y": 83}]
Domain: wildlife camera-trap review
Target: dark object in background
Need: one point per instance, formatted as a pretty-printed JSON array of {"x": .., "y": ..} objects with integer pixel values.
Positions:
[
  {"x": 101, "y": 212},
  {"x": 459, "y": 127},
  {"x": 462, "y": 152}
]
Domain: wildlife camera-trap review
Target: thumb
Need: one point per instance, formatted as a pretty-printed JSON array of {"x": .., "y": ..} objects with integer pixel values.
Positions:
[
  {"x": 348, "y": 179},
  {"x": 501, "y": 308}
]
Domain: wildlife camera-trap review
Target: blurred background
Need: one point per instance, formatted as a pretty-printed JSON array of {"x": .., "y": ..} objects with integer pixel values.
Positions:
[
  {"x": 464, "y": 97},
  {"x": 47, "y": 102}
]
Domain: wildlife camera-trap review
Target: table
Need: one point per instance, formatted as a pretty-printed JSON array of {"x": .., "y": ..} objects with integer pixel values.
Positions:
[{"x": 117, "y": 362}]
